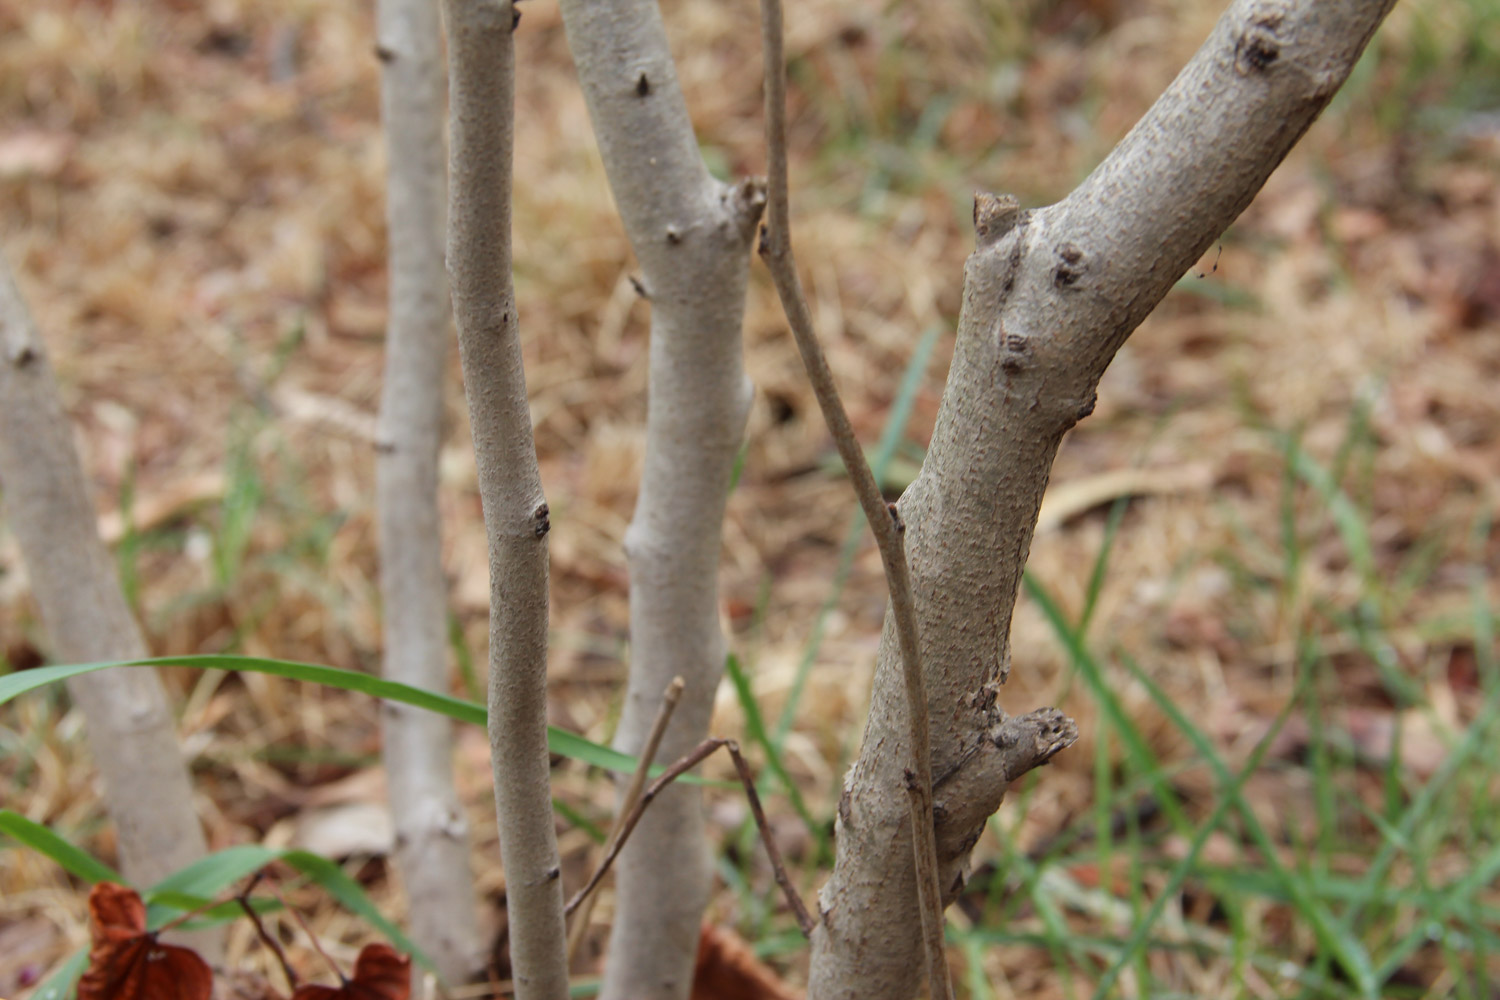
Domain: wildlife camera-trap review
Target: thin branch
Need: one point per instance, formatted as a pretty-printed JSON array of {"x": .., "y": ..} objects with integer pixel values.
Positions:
[
  {"x": 481, "y": 108},
  {"x": 804, "y": 919},
  {"x": 885, "y": 521},
  {"x": 669, "y": 699},
  {"x": 311, "y": 936},
  {"x": 265, "y": 936},
  {"x": 676, "y": 770}
]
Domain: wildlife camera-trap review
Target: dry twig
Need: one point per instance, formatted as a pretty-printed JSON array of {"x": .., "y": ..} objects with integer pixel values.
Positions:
[
  {"x": 885, "y": 521},
  {"x": 676, "y": 770},
  {"x": 580, "y": 922}
]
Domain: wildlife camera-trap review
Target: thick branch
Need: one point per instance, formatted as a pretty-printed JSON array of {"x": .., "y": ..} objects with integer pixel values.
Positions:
[
  {"x": 970, "y": 793},
  {"x": 481, "y": 58},
  {"x": 432, "y": 843},
  {"x": 1049, "y": 296},
  {"x": 692, "y": 237},
  {"x": 131, "y": 731}
]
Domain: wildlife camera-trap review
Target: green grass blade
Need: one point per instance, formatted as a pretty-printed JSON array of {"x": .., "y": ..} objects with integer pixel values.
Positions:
[
  {"x": 1332, "y": 935},
  {"x": 1227, "y": 799},
  {"x": 1449, "y": 900},
  {"x": 1347, "y": 518},
  {"x": 334, "y": 881},
  {"x": 593, "y": 830},
  {"x": 200, "y": 880},
  {"x": 974, "y": 976},
  {"x": 61, "y": 984},
  {"x": 738, "y": 469},
  {"x": 209, "y": 875},
  {"x": 1142, "y": 758},
  {"x": 1101, "y": 563},
  {"x": 74, "y": 860},
  {"x": 1458, "y": 758},
  {"x": 195, "y": 885},
  {"x": 559, "y": 741},
  {"x": 756, "y": 728},
  {"x": 885, "y": 451}
]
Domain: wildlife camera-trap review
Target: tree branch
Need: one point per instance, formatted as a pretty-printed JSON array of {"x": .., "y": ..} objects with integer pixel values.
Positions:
[
  {"x": 481, "y": 59},
  {"x": 1049, "y": 297},
  {"x": 885, "y": 522}
]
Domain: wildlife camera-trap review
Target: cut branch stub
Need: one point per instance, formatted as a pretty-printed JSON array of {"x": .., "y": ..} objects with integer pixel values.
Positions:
[{"x": 970, "y": 793}]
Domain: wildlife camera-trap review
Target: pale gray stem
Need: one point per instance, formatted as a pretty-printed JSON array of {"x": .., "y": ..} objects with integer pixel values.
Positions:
[
  {"x": 1049, "y": 297},
  {"x": 131, "y": 731},
  {"x": 481, "y": 59},
  {"x": 692, "y": 236},
  {"x": 432, "y": 843}
]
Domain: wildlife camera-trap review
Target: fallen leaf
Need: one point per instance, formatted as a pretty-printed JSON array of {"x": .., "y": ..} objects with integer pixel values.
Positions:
[
  {"x": 128, "y": 963},
  {"x": 728, "y": 970},
  {"x": 379, "y": 974},
  {"x": 1067, "y": 500}
]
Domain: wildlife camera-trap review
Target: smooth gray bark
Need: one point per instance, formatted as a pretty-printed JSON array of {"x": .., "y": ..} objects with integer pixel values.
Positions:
[
  {"x": 131, "y": 731},
  {"x": 692, "y": 235},
  {"x": 432, "y": 842},
  {"x": 1049, "y": 297}
]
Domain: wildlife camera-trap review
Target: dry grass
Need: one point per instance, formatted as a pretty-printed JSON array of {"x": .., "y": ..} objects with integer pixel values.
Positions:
[{"x": 191, "y": 194}]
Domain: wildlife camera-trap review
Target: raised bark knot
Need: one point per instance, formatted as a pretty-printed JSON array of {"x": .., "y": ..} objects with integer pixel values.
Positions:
[
  {"x": 745, "y": 203},
  {"x": 896, "y": 518},
  {"x": 994, "y": 216},
  {"x": 1259, "y": 45},
  {"x": 541, "y": 520},
  {"x": 1015, "y": 351},
  {"x": 20, "y": 354},
  {"x": 674, "y": 235},
  {"x": 1086, "y": 407},
  {"x": 1071, "y": 266}
]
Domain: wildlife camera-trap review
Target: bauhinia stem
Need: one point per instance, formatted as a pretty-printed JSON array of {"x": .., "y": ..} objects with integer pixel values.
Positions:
[
  {"x": 481, "y": 60},
  {"x": 776, "y": 251}
]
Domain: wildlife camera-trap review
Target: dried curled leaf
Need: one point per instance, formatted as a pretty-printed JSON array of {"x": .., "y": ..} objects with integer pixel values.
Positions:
[
  {"x": 128, "y": 963},
  {"x": 728, "y": 970},
  {"x": 379, "y": 974}
]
